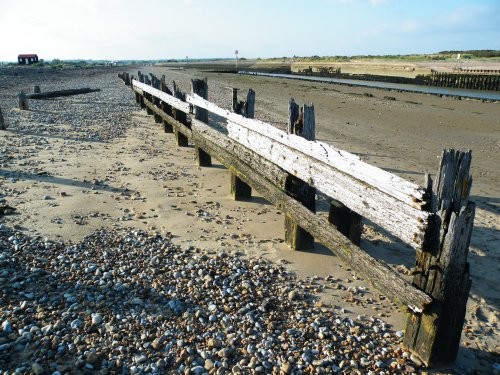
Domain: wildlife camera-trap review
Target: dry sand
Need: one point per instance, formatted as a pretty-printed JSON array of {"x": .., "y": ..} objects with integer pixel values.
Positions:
[{"x": 65, "y": 184}]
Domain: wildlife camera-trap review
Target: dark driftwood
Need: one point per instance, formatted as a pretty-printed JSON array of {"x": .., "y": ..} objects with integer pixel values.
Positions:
[
  {"x": 381, "y": 276},
  {"x": 442, "y": 267},
  {"x": 59, "y": 93},
  {"x": 23, "y": 101}
]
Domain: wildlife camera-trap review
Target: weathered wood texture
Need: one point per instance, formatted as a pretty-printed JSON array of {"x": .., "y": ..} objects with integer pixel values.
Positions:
[
  {"x": 404, "y": 221},
  {"x": 239, "y": 189},
  {"x": 61, "y": 93},
  {"x": 386, "y": 199},
  {"x": 297, "y": 117},
  {"x": 23, "y": 102},
  {"x": 241, "y": 161},
  {"x": 345, "y": 162},
  {"x": 295, "y": 236},
  {"x": 36, "y": 89},
  {"x": 347, "y": 222},
  {"x": 200, "y": 87},
  {"x": 443, "y": 271},
  {"x": 169, "y": 99},
  {"x": 179, "y": 126}
]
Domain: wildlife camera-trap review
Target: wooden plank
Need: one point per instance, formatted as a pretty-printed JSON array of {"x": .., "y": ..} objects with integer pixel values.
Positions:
[
  {"x": 402, "y": 220},
  {"x": 443, "y": 269},
  {"x": 344, "y": 161},
  {"x": 406, "y": 221},
  {"x": 380, "y": 275},
  {"x": 169, "y": 99}
]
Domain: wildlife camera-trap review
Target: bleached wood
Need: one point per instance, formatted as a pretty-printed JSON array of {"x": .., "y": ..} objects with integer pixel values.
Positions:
[
  {"x": 386, "y": 199},
  {"x": 169, "y": 99},
  {"x": 244, "y": 162},
  {"x": 344, "y": 161},
  {"x": 402, "y": 220}
]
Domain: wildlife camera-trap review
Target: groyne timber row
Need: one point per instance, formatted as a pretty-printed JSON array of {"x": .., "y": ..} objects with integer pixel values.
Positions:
[{"x": 288, "y": 167}]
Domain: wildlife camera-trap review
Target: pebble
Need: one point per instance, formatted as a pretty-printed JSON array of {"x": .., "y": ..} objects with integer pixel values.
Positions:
[
  {"x": 168, "y": 319},
  {"x": 6, "y": 327}
]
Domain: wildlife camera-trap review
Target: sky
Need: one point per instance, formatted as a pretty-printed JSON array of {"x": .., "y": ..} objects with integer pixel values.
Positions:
[{"x": 169, "y": 29}]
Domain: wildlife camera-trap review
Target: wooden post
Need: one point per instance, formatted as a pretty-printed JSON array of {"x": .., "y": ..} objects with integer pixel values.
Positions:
[
  {"x": 2, "y": 122},
  {"x": 200, "y": 87},
  {"x": 23, "y": 101},
  {"x": 182, "y": 140},
  {"x": 346, "y": 221},
  {"x": 166, "y": 107},
  {"x": 36, "y": 89},
  {"x": 300, "y": 122},
  {"x": 442, "y": 267},
  {"x": 241, "y": 191}
]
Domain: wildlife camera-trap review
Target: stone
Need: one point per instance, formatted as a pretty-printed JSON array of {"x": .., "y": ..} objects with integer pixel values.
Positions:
[{"x": 37, "y": 369}]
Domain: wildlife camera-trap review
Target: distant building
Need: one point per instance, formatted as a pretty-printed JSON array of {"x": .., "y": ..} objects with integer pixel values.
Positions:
[{"x": 27, "y": 59}]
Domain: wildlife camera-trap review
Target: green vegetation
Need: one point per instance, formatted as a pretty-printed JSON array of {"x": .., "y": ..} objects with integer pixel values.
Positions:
[{"x": 443, "y": 55}]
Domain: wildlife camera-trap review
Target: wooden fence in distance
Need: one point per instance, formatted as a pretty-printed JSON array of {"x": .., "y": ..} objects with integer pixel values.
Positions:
[{"x": 288, "y": 167}]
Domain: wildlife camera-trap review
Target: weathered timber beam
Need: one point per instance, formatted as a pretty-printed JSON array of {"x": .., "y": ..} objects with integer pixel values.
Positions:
[
  {"x": 381, "y": 276},
  {"x": 60, "y": 93},
  {"x": 169, "y": 99},
  {"x": 344, "y": 161},
  {"x": 402, "y": 220}
]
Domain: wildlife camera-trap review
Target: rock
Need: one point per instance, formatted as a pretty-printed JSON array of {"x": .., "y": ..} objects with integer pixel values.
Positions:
[
  {"x": 209, "y": 364},
  {"x": 286, "y": 367},
  {"x": 214, "y": 343},
  {"x": 293, "y": 295},
  {"x": 37, "y": 369},
  {"x": 7, "y": 327},
  {"x": 224, "y": 353},
  {"x": 96, "y": 318},
  {"x": 76, "y": 324}
]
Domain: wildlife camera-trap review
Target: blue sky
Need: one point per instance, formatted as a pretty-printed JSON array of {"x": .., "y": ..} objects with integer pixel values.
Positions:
[{"x": 153, "y": 29}]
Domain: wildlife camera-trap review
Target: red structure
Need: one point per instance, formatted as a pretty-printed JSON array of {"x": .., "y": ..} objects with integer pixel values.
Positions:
[{"x": 27, "y": 59}]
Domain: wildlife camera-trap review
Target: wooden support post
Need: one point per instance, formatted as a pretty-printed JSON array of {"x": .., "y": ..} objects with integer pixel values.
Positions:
[
  {"x": 168, "y": 128},
  {"x": 346, "y": 221},
  {"x": 200, "y": 87},
  {"x": 442, "y": 267},
  {"x": 241, "y": 191},
  {"x": 182, "y": 140},
  {"x": 295, "y": 236},
  {"x": 2, "y": 121},
  {"x": 36, "y": 89},
  {"x": 23, "y": 101}
]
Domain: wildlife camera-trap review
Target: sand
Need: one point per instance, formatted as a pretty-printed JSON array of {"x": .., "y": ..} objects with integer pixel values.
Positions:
[{"x": 65, "y": 185}]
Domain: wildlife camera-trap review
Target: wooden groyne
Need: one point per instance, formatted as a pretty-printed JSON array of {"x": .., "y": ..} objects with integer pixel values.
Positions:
[
  {"x": 288, "y": 167},
  {"x": 490, "y": 82}
]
